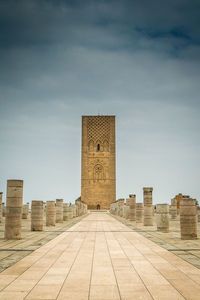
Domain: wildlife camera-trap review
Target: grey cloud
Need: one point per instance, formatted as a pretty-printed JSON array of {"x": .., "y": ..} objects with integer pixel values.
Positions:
[{"x": 136, "y": 59}]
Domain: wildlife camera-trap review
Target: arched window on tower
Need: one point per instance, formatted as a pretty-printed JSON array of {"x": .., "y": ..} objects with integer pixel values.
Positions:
[
  {"x": 91, "y": 145},
  {"x": 98, "y": 147}
]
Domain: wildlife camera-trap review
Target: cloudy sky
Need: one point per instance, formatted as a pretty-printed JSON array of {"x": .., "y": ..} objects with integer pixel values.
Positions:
[{"x": 138, "y": 60}]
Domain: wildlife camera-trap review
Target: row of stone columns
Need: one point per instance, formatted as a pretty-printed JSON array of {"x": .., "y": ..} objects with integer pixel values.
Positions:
[
  {"x": 143, "y": 212},
  {"x": 15, "y": 211}
]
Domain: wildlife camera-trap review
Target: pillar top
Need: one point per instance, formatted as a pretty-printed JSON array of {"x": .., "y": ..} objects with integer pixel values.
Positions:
[
  {"x": 15, "y": 182},
  {"x": 132, "y": 195},
  {"x": 147, "y": 189},
  {"x": 37, "y": 202}
]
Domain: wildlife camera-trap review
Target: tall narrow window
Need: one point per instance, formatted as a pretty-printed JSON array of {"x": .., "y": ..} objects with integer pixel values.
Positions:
[{"x": 98, "y": 147}]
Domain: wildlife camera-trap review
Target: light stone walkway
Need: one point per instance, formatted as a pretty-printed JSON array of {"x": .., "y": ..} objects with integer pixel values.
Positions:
[{"x": 100, "y": 258}]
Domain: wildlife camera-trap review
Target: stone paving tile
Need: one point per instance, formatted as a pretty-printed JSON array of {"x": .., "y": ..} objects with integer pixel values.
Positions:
[
  {"x": 188, "y": 250},
  {"x": 100, "y": 258},
  {"x": 12, "y": 251}
]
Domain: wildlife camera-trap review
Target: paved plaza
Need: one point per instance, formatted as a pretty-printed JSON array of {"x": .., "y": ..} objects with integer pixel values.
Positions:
[{"x": 100, "y": 258}]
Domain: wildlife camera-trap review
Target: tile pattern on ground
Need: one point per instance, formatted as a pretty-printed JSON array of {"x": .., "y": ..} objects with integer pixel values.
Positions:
[{"x": 100, "y": 258}]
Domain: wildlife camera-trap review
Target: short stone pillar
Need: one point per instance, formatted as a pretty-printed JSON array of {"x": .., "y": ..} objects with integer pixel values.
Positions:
[
  {"x": 132, "y": 207},
  {"x": 65, "y": 211},
  {"x": 162, "y": 217},
  {"x": 147, "y": 197},
  {"x": 3, "y": 209},
  {"x": 37, "y": 215},
  {"x": 198, "y": 213},
  {"x": 74, "y": 210},
  {"x": 127, "y": 209},
  {"x": 13, "y": 209},
  {"x": 120, "y": 203},
  {"x": 70, "y": 212},
  {"x": 85, "y": 208},
  {"x": 50, "y": 213},
  {"x": 78, "y": 202},
  {"x": 25, "y": 211},
  {"x": 188, "y": 218},
  {"x": 139, "y": 212},
  {"x": 173, "y": 209},
  {"x": 27, "y": 208},
  {"x": 1, "y": 213},
  {"x": 59, "y": 210}
]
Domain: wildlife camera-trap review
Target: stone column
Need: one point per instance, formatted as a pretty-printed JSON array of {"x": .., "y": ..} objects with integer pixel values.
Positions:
[
  {"x": 3, "y": 209},
  {"x": 173, "y": 209},
  {"x": 139, "y": 212},
  {"x": 70, "y": 212},
  {"x": 132, "y": 207},
  {"x": 65, "y": 211},
  {"x": 120, "y": 207},
  {"x": 24, "y": 211},
  {"x": 188, "y": 218},
  {"x": 74, "y": 210},
  {"x": 147, "y": 194},
  {"x": 85, "y": 208},
  {"x": 50, "y": 213},
  {"x": 127, "y": 210},
  {"x": 198, "y": 213},
  {"x": 37, "y": 215},
  {"x": 27, "y": 209},
  {"x": 13, "y": 209},
  {"x": 162, "y": 217},
  {"x": 59, "y": 210},
  {"x": 1, "y": 213}
]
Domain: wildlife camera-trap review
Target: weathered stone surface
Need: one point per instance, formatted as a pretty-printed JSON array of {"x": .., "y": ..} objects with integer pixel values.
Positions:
[
  {"x": 50, "y": 213},
  {"x": 1, "y": 213},
  {"x": 37, "y": 215},
  {"x": 148, "y": 214},
  {"x": 162, "y": 217},
  {"x": 173, "y": 209},
  {"x": 132, "y": 208},
  {"x": 13, "y": 209},
  {"x": 98, "y": 183},
  {"x": 139, "y": 212},
  {"x": 198, "y": 213},
  {"x": 188, "y": 218},
  {"x": 59, "y": 210}
]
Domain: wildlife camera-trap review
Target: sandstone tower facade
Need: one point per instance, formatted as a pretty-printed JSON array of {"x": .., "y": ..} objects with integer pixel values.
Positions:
[{"x": 98, "y": 179}]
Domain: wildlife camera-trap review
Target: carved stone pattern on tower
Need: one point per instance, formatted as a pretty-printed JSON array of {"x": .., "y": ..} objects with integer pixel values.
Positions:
[{"x": 99, "y": 129}]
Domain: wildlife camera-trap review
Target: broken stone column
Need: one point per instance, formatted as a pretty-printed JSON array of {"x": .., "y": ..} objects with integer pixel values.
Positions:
[
  {"x": 173, "y": 209},
  {"x": 147, "y": 197},
  {"x": 188, "y": 218},
  {"x": 74, "y": 210},
  {"x": 162, "y": 217},
  {"x": 85, "y": 208},
  {"x": 3, "y": 209},
  {"x": 198, "y": 213},
  {"x": 127, "y": 209},
  {"x": 1, "y": 213},
  {"x": 59, "y": 210},
  {"x": 25, "y": 211},
  {"x": 112, "y": 208},
  {"x": 120, "y": 203},
  {"x": 70, "y": 212},
  {"x": 50, "y": 213},
  {"x": 132, "y": 207},
  {"x": 139, "y": 212},
  {"x": 13, "y": 209},
  {"x": 65, "y": 212},
  {"x": 37, "y": 215}
]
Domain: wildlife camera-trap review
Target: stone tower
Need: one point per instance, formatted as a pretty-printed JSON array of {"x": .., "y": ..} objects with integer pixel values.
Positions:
[{"x": 98, "y": 181}]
